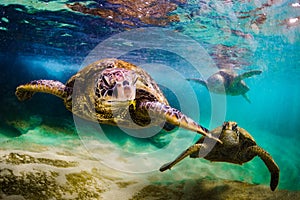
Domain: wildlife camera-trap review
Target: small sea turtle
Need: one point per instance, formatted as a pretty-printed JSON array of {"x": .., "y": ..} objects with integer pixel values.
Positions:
[
  {"x": 228, "y": 81},
  {"x": 114, "y": 92},
  {"x": 238, "y": 147}
]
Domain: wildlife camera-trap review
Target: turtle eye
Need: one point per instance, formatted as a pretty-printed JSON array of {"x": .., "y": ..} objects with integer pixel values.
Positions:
[
  {"x": 234, "y": 127},
  {"x": 225, "y": 125}
]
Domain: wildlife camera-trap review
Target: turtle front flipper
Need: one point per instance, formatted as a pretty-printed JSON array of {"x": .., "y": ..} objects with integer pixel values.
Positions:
[
  {"x": 245, "y": 75},
  {"x": 269, "y": 162},
  {"x": 175, "y": 117},
  {"x": 189, "y": 151},
  {"x": 26, "y": 91},
  {"x": 249, "y": 74}
]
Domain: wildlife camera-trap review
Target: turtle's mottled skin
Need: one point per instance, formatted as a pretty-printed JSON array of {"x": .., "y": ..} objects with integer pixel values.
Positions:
[
  {"x": 228, "y": 81},
  {"x": 114, "y": 92},
  {"x": 238, "y": 147}
]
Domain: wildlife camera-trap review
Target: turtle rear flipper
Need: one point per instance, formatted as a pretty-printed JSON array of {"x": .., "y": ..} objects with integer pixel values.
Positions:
[
  {"x": 198, "y": 80},
  {"x": 246, "y": 97},
  {"x": 269, "y": 162},
  {"x": 26, "y": 91}
]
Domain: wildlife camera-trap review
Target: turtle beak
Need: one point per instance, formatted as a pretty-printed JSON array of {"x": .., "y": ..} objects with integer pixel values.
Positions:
[{"x": 123, "y": 91}]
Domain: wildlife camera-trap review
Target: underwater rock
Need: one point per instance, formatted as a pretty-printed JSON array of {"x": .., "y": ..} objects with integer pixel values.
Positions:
[
  {"x": 24, "y": 125},
  {"x": 47, "y": 124}
]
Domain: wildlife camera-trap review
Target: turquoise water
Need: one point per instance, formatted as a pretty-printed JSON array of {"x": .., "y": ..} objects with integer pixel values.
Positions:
[{"x": 46, "y": 40}]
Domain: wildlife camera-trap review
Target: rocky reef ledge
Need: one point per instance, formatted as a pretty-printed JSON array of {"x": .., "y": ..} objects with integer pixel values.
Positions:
[
  {"x": 212, "y": 190},
  {"x": 60, "y": 175},
  {"x": 56, "y": 174}
]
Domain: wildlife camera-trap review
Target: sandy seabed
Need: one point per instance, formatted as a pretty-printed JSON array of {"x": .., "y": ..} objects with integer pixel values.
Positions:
[
  {"x": 41, "y": 172},
  {"x": 51, "y": 163}
]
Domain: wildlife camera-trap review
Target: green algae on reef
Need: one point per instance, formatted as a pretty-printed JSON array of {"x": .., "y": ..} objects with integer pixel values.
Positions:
[{"x": 16, "y": 159}]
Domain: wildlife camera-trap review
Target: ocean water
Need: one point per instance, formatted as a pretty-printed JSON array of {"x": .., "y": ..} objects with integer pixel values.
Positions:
[{"x": 49, "y": 40}]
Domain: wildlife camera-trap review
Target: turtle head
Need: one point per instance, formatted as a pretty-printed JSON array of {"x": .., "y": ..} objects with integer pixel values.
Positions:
[
  {"x": 230, "y": 126},
  {"x": 116, "y": 85},
  {"x": 230, "y": 133}
]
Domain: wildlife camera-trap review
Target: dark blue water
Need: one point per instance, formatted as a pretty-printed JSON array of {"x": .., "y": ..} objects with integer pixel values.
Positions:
[{"x": 48, "y": 40}]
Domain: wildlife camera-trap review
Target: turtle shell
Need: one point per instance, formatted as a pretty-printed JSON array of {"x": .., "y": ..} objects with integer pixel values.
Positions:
[
  {"x": 227, "y": 81},
  {"x": 221, "y": 81},
  {"x": 105, "y": 89}
]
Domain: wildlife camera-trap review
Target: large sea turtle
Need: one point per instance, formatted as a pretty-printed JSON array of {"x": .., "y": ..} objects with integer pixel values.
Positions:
[
  {"x": 114, "y": 92},
  {"x": 228, "y": 81},
  {"x": 238, "y": 147}
]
